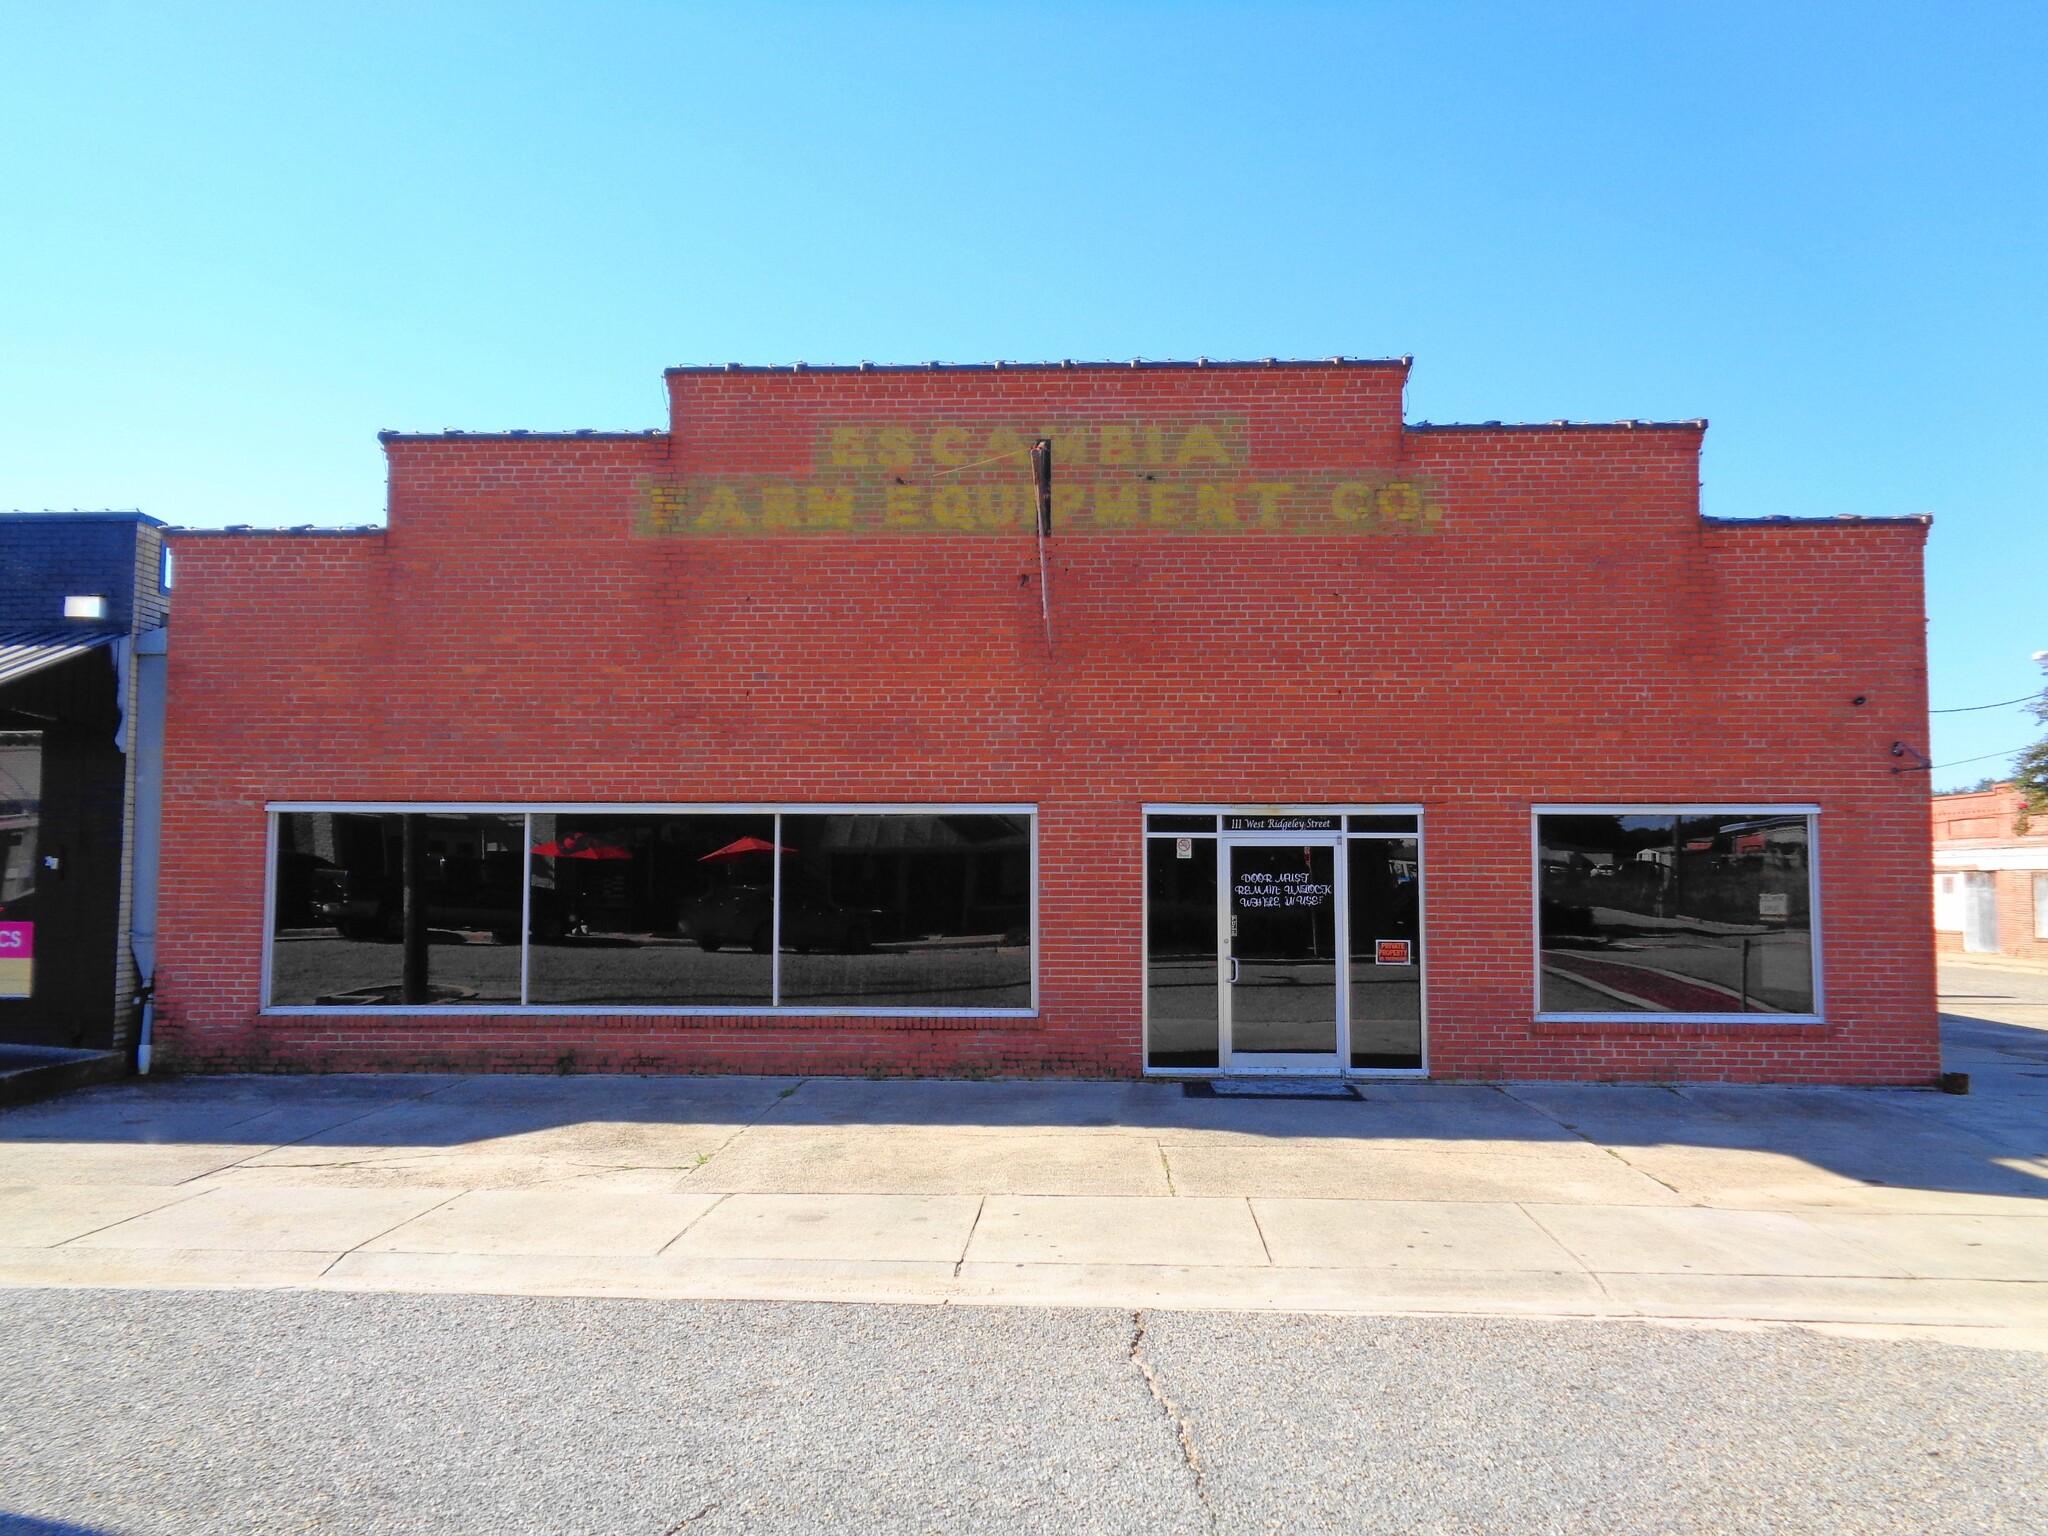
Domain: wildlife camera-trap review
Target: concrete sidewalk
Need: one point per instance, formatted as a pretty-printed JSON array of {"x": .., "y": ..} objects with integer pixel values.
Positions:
[{"x": 1860, "y": 1211}]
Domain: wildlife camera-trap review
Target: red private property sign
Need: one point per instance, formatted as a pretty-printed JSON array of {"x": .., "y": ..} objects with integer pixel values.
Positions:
[
  {"x": 1392, "y": 952},
  {"x": 17, "y": 958}
]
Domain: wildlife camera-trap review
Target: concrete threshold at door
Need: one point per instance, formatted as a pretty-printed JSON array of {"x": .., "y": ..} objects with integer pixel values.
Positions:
[{"x": 2008, "y": 1314}]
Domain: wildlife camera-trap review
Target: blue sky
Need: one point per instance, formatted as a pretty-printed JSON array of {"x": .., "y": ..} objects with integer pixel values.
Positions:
[{"x": 236, "y": 240}]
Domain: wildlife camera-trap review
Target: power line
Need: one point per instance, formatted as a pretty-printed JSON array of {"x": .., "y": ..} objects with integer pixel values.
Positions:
[
  {"x": 1959, "y": 762},
  {"x": 2025, "y": 698}
]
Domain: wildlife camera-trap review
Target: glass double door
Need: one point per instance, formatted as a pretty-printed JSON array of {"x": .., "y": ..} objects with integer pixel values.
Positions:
[
  {"x": 1276, "y": 951},
  {"x": 1281, "y": 951}
]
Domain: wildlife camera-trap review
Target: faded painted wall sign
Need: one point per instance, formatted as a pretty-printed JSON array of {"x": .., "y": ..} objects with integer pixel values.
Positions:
[{"x": 1164, "y": 476}]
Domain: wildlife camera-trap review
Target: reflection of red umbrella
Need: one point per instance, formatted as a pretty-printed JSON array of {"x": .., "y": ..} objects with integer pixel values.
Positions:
[
  {"x": 740, "y": 849},
  {"x": 581, "y": 845}
]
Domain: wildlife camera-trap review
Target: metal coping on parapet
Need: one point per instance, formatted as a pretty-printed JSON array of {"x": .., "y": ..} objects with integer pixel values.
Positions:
[
  {"x": 1695, "y": 424},
  {"x": 1064, "y": 365},
  {"x": 301, "y": 530},
  {"x": 77, "y": 516},
  {"x": 521, "y": 434},
  {"x": 1781, "y": 520}
]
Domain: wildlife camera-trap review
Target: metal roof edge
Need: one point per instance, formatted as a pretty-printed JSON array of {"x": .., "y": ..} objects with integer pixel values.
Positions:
[
  {"x": 75, "y": 516},
  {"x": 522, "y": 435},
  {"x": 28, "y": 649},
  {"x": 302, "y": 530},
  {"x": 1919, "y": 519},
  {"x": 1695, "y": 424},
  {"x": 1063, "y": 365}
]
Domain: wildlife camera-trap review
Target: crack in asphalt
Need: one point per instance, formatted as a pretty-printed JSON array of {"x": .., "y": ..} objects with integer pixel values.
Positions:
[
  {"x": 1183, "y": 1431},
  {"x": 689, "y": 1520}
]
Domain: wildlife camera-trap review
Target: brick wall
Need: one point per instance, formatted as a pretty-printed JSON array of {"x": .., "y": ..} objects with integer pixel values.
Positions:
[
  {"x": 1542, "y": 617},
  {"x": 1984, "y": 816},
  {"x": 2018, "y": 918},
  {"x": 1979, "y": 821}
]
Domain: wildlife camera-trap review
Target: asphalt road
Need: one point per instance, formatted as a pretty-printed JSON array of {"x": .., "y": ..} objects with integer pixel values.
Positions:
[
  {"x": 1963, "y": 984},
  {"x": 162, "y": 1412}
]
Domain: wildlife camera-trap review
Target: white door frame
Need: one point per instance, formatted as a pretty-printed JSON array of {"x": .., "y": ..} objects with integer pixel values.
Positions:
[
  {"x": 1311, "y": 1064},
  {"x": 1980, "y": 912}
]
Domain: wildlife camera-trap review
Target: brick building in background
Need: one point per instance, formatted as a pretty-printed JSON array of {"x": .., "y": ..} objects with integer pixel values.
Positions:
[
  {"x": 1310, "y": 740},
  {"x": 1990, "y": 878}
]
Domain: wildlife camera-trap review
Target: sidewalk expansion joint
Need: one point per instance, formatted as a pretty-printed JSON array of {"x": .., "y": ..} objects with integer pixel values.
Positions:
[
  {"x": 972, "y": 1226},
  {"x": 664, "y": 1248},
  {"x": 1183, "y": 1432},
  {"x": 1506, "y": 1092},
  {"x": 438, "y": 1205},
  {"x": 409, "y": 1098},
  {"x": 1259, "y": 1227}
]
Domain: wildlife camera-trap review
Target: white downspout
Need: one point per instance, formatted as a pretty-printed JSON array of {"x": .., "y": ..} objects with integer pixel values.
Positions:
[{"x": 152, "y": 658}]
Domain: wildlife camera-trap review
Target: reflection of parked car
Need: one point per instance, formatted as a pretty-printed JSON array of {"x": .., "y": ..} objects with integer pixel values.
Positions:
[
  {"x": 299, "y": 888},
  {"x": 743, "y": 914},
  {"x": 459, "y": 892}
]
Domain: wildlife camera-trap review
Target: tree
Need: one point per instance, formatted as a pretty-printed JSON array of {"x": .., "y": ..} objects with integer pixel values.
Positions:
[{"x": 2030, "y": 772}]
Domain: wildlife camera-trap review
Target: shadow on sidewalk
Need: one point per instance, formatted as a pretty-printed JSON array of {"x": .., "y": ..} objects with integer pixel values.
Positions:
[{"x": 1994, "y": 1142}]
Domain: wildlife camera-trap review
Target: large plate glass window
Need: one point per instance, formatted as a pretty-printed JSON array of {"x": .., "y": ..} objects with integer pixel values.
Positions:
[
  {"x": 1181, "y": 1001},
  {"x": 649, "y": 911},
  {"x": 884, "y": 911},
  {"x": 395, "y": 910},
  {"x": 1386, "y": 951},
  {"x": 1675, "y": 912},
  {"x": 630, "y": 909}
]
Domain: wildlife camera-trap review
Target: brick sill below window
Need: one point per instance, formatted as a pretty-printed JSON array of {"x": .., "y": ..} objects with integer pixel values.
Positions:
[
  {"x": 282, "y": 1018},
  {"x": 1702, "y": 1029}
]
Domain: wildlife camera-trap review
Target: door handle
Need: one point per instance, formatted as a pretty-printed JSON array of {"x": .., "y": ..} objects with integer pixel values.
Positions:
[{"x": 1233, "y": 970}]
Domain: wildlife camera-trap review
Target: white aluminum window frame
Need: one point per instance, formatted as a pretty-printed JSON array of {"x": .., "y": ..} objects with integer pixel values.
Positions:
[
  {"x": 1344, "y": 837},
  {"x": 527, "y": 810},
  {"x": 1637, "y": 1016}
]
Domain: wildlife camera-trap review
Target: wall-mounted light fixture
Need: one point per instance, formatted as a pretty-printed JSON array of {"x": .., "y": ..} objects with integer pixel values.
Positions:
[{"x": 85, "y": 607}]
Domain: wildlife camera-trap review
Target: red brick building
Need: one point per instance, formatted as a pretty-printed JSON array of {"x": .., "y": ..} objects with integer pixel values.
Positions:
[
  {"x": 1309, "y": 740},
  {"x": 1990, "y": 878}
]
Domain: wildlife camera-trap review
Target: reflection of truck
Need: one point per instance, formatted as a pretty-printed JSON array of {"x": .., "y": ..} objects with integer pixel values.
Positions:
[
  {"x": 461, "y": 891},
  {"x": 744, "y": 915}
]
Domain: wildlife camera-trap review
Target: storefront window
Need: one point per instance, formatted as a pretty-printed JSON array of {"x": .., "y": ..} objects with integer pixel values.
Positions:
[
  {"x": 886, "y": 911},
  {"x": 1386, "y": 949},
  {"x": 624, "y": 909},
  {"x": 21, "y": 817},
  {"x": 1181, "y": 1003},
  {"x": 647, "y": 911},
  {"x": 395, "y": 910},
  {"x": 1687, "y": 913},
  {"x": 21, "y": 809}
]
